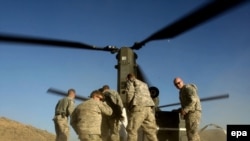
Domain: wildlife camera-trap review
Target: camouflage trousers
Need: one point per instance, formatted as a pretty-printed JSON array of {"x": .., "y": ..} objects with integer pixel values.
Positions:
[
  {"x": 90, "y": 137},
  {"x": 110, "y": 129},
  {"x": 142, "y": 117},
  {"x": 192, "y": 121},
  {"x": 61, "y": 128}
]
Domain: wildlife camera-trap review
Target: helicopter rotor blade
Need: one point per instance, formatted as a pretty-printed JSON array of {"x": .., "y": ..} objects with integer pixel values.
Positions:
[
  {"x": 202, "y": 100},
  {"x": 63, "y": 93},
  {"x": 53, "y": 42},
  {"x": 195, "y": 18}
]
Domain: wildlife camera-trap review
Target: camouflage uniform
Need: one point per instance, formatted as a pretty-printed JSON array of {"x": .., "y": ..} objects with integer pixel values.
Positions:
[
  {"x": 87, "y": 117},
  {"x": 63, "y": 110},
  {"x": 190, "y": 103},
  {"x": 110, "y": 124},
  {"x": 140, "y": 113}
]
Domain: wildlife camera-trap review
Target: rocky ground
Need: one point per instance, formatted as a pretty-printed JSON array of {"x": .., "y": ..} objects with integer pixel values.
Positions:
[{"x": 14, "y": 131}]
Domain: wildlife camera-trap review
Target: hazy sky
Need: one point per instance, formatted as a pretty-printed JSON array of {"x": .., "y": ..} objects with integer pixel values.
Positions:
[{"x": 215, "y": 55}]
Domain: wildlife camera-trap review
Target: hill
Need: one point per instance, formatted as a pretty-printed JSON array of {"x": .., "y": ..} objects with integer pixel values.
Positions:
[{"x": 14, "y": 131}]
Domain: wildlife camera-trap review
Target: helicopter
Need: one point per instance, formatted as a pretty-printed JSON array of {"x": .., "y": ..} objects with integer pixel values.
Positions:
[{"x": 125, "y": 55}]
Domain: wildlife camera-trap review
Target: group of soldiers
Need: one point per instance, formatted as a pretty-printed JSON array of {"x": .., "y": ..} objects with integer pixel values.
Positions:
[{"x": 100, "y": 118}]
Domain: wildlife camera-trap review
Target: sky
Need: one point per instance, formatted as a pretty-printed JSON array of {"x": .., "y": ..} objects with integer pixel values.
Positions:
[{"x": 215, "y": 55}]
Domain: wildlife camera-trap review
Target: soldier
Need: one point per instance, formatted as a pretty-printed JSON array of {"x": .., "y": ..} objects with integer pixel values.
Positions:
[
  {"x": 87, "y": 117},
  {"x": 63, "y": 110},
  {"x": 110, "y": 124},
  {"x": 190, "y": 108},
  {"x": 140, "y": 110}
]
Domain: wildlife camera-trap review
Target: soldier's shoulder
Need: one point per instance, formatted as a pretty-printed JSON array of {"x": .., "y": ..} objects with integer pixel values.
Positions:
[
  {"x": 84, "y": 104},
  {"x": 190, "y": 86},
  {"x": 81, "y": 104},
  {"x": 139, "y": 82},
  {"x": 65, "y": 99},
  {"x": 114, "y": 92}
]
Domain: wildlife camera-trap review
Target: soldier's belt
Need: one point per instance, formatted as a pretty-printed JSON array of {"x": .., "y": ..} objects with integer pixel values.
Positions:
[{"x": 194, "y": 111}]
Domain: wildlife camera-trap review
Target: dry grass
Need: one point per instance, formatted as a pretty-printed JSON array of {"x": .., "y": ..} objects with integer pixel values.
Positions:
[{"x": 14, "y": 131}]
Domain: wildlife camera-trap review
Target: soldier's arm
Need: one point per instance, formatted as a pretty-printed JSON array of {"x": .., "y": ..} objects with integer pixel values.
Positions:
[
  {"x": 119, "y": 103},
  {"x": 190, "y": 100},
  {"x": 105, "y": 109},
  {"x": 71, "y": 107},
  {"x": 73, "y": 121},
  {"x": 137, "y": 86},
  {"x": 119, "y": 100},
  {"x": 129, "y": 92}
]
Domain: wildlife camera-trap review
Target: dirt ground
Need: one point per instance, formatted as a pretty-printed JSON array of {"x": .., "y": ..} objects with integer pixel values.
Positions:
[
  {"x": 213, "y": 135},
  {"x": 14, "y": 131},
  {"x": 11, "y": 130}
]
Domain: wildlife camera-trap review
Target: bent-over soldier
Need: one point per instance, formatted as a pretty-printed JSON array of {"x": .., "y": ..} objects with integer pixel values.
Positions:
[
  {"x": 87, "y": 117},
  {"x": 110, "y": 124}
]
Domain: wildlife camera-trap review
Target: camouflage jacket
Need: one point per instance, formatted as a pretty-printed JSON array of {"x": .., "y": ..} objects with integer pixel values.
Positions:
[
  {"x": 65, "y": 106},
  {"x": 87, "y": 117},
  {"x": 114, "y": 100},
  {"x": 189, "y": 98},
  {"x": 138, "y": 94}
]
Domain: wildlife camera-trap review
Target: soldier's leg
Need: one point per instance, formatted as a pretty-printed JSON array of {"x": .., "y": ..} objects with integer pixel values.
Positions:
[
  {"x": 149, "y": 125},
  {"x": 57, "y": 129},
  {"x": 90, "y": 137},
  {"x": 105, "y": 128},
  {"x": 134, "y": 122},
  {"x": 114, "y": 129},
  {"x": 192, "y": 126},
  {"x": 62, "y": 128}
]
